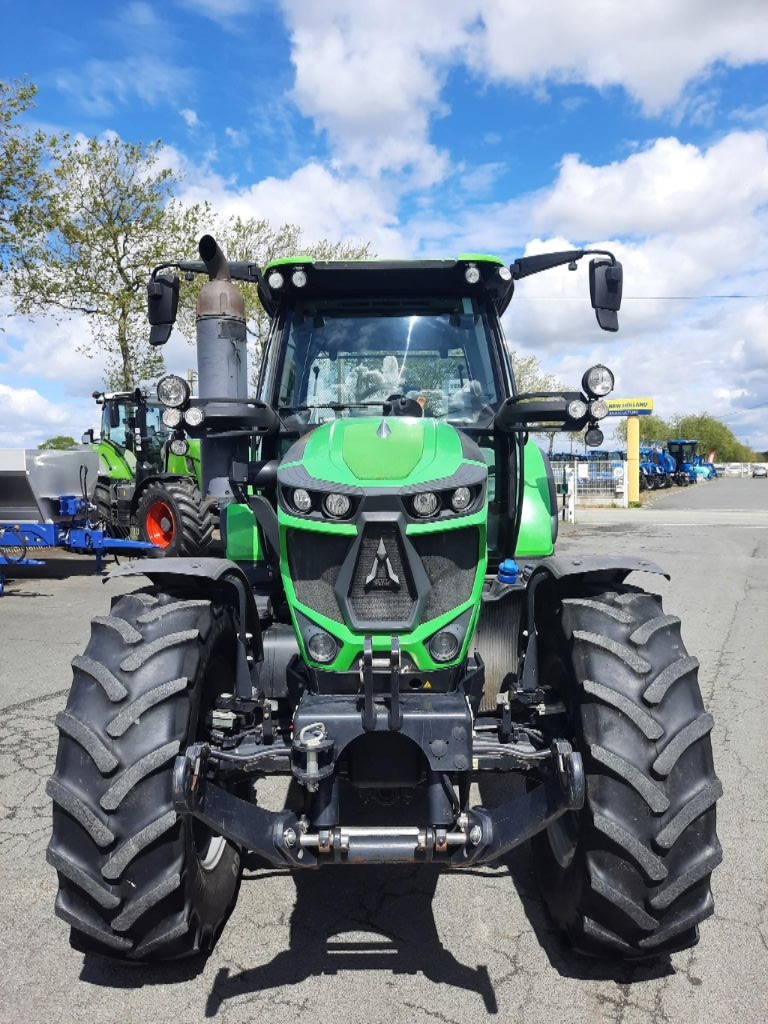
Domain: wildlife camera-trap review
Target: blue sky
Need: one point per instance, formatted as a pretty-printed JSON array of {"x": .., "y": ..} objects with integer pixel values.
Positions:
[{"x": 432, "y": 129}]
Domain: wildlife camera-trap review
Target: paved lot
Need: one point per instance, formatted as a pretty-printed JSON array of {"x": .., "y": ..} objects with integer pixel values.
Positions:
[{"x": 415, "y": 945}]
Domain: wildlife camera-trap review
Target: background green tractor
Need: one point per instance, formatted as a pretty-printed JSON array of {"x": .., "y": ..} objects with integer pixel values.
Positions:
[
  {"x": 390, "y": 626},
  {"x": 149, "y": 476}
]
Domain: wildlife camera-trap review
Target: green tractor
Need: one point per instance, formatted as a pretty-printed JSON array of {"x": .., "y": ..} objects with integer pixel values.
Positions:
[
  {"x": 390, "y": 625},
  {"x": 149, "y": 475}
]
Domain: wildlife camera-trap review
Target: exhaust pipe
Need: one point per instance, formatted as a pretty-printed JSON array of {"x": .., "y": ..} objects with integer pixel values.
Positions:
[{"x": 214, "y": 259}]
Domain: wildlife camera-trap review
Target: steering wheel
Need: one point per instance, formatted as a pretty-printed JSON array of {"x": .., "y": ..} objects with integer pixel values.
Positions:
[{"x": 400, "y": 405}]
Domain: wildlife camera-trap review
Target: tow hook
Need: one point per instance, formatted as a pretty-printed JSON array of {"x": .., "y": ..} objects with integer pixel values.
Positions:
[{"x": 570, "y": 772}]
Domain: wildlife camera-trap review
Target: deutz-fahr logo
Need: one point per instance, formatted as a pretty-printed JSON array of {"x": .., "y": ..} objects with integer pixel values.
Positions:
[{"x": 382, "y": 575}]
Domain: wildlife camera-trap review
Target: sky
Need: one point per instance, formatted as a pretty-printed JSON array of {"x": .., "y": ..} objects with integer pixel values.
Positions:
[{"x": 507, "y": 126}]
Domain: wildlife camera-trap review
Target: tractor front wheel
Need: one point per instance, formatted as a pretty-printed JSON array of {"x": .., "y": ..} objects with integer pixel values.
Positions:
[
  {"x": 135, "y": 881},
  {"x": 172, "y": 516},
  {"x": 629, "y": 875}
]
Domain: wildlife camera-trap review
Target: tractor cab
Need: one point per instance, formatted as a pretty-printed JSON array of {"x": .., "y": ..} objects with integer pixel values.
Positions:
[
  {"x": 683, "y": 451},
  {"x": 133, "y": 436},
  {"x": 415, "y": 339}
]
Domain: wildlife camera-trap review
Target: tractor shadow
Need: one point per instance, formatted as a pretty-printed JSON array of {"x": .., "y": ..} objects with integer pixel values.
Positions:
[
  {"x": 391, "y": 904},
  {"x": 568, "y": 962}
]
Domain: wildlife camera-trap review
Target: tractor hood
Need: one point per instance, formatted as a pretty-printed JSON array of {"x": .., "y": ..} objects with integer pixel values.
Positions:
[{"x": 381, "y": 452}]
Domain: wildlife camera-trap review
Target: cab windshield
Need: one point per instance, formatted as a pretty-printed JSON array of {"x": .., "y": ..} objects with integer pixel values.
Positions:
[{"x": 341, "y": 358}]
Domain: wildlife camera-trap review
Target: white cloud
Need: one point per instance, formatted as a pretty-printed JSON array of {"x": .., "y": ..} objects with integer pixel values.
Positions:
[
  {"x": 101, "y": 86},
  {"x": 27, "y": 418},
  {"x": 323, "y": 203},
  {"x": 228, "y": 14},
  {"x": 371, "y": 75},
  {"x": 653, "y": 49},
  {"x": 670, "y": 186},
  {"x": 237, "y": 138},
  {"x": 189, "y": 117}
]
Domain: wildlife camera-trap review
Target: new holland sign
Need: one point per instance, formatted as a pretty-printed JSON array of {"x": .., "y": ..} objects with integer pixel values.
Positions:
[{"x": 629, "y": 406}]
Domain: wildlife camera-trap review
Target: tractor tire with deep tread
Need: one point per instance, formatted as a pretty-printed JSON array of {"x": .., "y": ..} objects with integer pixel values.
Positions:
[
  {"x": 136, "y": 881},
  {"x": 629, "y": 875},
  {"x": 180, "y": 505}
]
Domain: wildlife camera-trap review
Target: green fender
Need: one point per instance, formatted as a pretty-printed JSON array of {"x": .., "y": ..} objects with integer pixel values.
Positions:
[{"x": 536, "y": 530}]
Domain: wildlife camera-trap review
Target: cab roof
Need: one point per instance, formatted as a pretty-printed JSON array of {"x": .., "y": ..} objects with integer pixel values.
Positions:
[{"x": 352, "y": 279}]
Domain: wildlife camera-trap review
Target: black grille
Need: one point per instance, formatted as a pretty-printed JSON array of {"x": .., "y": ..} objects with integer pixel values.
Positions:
[
  {"x": 314, "y": 561},
  {"x": 450, "y": 561},
  {"x": 382, "y": 589}
]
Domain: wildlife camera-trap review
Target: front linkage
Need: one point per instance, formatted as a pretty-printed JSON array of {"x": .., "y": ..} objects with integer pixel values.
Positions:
[{"x": 311, "y": 751}]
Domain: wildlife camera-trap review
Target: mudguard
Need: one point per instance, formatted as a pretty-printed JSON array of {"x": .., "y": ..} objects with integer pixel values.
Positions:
[
  {"x": 608, "y": 568},
  {"x": 220, "y": 573}
]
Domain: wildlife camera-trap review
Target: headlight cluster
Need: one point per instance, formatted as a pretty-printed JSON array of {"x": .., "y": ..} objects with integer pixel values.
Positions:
[
  {"x": 428, "y": 503},
  {"x": 276, "y": 280},
  {"x": 173, "y": 392},
  {"x": 335, "y": 506},
  {"x": 340, "y": 506}
]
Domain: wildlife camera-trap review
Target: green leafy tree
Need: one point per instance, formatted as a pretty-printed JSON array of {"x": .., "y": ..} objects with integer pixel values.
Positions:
[
  {"x": 257, "y": 241},
  {"x": 61, "y": 442},
  {"x": 712, "y": 434},
  {"x": 652, "y": 428},
  {"x": 530, "y": 375},
  {"x": 109, "y": 216},
  {"x": 21, "y": 183}
]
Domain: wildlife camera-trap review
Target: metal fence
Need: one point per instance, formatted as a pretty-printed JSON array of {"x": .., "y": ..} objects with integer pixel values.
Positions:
[{"x": 584, "y": 484}]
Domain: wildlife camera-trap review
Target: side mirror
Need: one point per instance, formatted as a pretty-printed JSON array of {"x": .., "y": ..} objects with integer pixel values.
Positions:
[
  {"x": 605, "y": 286},
  {"x": 162, "y": 306},
  {"x": 113, "y": 414},
  {"x": 87, "y": 437}
]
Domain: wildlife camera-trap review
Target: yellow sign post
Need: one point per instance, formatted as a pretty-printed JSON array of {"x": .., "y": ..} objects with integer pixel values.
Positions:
[{"x": 632, "y": 408}]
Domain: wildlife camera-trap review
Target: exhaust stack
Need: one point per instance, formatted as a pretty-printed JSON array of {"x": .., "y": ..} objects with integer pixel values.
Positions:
[{"x": 222, "y": 364}]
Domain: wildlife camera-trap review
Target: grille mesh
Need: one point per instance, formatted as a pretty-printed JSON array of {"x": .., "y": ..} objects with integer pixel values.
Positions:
[
  {"x": 314, "y": 561},
  {"x": 381, "y": 601},
  {"x": 450, "y": 562}
]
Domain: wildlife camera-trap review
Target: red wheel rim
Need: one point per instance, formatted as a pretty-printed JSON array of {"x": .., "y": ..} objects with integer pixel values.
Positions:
[{"x": 159, "y": 523}]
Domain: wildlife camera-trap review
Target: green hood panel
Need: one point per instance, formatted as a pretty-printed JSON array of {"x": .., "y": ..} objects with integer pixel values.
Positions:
[{"x": 378, "y": 451}]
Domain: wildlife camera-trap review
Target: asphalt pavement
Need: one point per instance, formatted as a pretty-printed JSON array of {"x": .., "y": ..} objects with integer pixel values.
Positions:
[{"x": 413, "y": 944}]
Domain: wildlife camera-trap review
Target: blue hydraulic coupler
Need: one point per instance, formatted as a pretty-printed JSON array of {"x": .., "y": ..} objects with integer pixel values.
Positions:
[{"x": 509, "y": 571}]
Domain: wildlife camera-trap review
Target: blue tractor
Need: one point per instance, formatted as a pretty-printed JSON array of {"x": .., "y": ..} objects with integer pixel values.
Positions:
[
  {"x": 653, "y": 471},
  {"x": 683, "y": 451}
]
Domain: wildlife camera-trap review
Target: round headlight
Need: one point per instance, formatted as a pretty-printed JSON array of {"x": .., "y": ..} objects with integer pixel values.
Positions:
[
  {"x": 472, "y": 274},
  {"x": 593, "y": 437},
  {"x": 505, "y": 273},
  {"x": 598, "y": 381},
  {"x": 425, "y": 504},
  {"x": 301, "y": 500},
  {"x": 321, "y": 647},
  {"x": 577, "y": 409},
  {"x": 444, "y": 646},
  {"x": 194, "y": 416},
  {"x": 460, "y": 499},
  {"x": 337, "y": 505},
  {"x": 179, "y": 446},
  {"x": 598, "y": 409},
  {"x": 299, "y": 278},
  {"x": 275, "y": 280},
  {"x": 171, "y": 417},
  {"x": 172, "y": 391}
]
